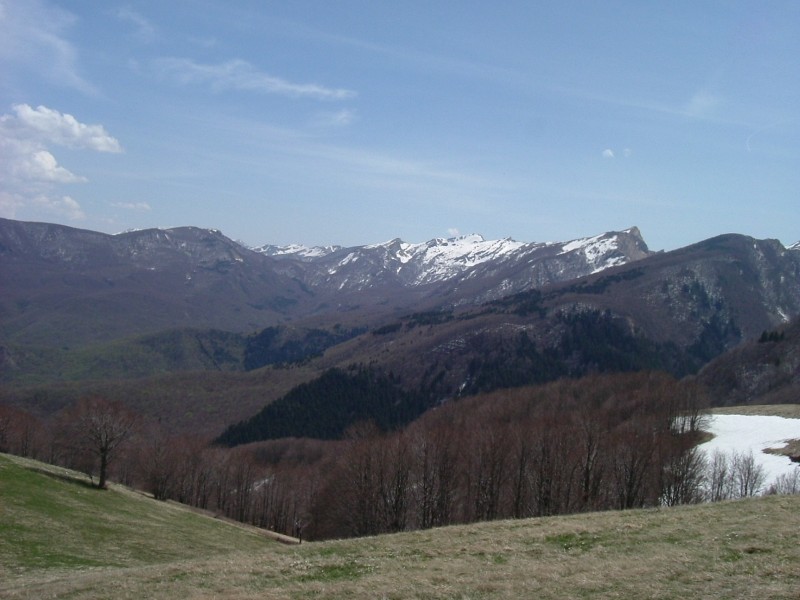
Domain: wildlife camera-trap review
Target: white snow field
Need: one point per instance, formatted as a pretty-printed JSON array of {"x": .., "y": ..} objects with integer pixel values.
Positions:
[{"x": 744, "y": 433}]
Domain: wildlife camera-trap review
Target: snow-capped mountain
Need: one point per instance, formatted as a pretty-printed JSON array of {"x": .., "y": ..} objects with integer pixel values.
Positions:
[
  {"x": 297, "y": 251},
  {"x": 516, "y": 265},
  {"x": 795, "y": 246},
  {"x": 71, "y": 288}
]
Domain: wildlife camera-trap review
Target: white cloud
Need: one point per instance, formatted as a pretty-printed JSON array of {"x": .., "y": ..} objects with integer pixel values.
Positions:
[
  {"x": 627, "y": 152},
  {"x": 608, "y": 153},
  {"x": 51, "y": 126},
  {"x": 453, "y": 232},
  {"x": 65, "y": 205},
  {"x": 42, "y": 166},
  {"x": 243, "y": 76},
  {"x": 32, "y": 43},
  {"x": 29, "y": 173}
]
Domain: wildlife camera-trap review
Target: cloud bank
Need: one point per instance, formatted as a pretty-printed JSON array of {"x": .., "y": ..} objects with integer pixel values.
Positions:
[
  {"x": 46, "y": 125},
  {"x": 29, "y": 172}
]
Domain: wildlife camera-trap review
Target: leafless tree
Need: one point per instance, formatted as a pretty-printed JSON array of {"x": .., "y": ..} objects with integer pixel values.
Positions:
[
  {"x": 393, "y": 477},
  {"x": 786, "y": 484},
  {"x": 196, "y": 470},
  {"x": 100, "y": 427},
  {"x": 682, "y": 475},
  {"x": 490, "y": 449},
  {"x": 690, "y": 409},
  {"x": 6, "y": 419},
  {"x": 733, "y": 475},
  {"x": 520, "y": 472},
  {"x": 632, "y": 455},
  {"x": 434, "y": 476},
  {"x": 748, "y": 475},
  {"x": 159, "y": 465},
  {"x": 20, "y": 432},
  {"x": 718, "y": 478},
  {"x": 591, "y": 431},
  {"x": 244, "y": 476},
  {"x": 275, "y": 502},
  {"x": 357, "y": 502}
]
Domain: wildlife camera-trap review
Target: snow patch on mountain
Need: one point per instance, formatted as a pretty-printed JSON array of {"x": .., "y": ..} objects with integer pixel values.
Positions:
[
  {"x": 441, "y": 258},
  {"x": 598, "y": 250},
  {"x": 298, "y": 251},
  {"x": 466, "y": 256}
]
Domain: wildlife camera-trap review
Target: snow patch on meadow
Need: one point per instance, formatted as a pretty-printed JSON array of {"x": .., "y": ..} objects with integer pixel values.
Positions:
[{"x": 754, "y": 433}]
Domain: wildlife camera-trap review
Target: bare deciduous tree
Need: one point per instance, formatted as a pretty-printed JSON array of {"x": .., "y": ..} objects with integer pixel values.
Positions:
[
  {"x": 632, "y": 457},
  {"x": 786, "y": 484},
  {"x": 100, "y": 427},
  {"x": 733, "y": 475},
  {"x": 748, "y": 475},
  {"x": 682, "y": 476},
  {"x": 435, "y": 474},
  {"x": 487, "y": 471},
  {"x": 20, "y": 432}
]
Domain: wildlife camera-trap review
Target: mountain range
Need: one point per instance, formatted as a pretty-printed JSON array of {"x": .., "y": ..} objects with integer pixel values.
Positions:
[
  {"x": 458, "y": 259},
  {"x": 130, "y": 314},
  {"x": 145, "y": 281}
]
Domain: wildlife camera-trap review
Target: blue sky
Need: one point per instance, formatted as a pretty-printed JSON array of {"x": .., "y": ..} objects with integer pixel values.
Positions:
[{"x": 354, "y": 122}]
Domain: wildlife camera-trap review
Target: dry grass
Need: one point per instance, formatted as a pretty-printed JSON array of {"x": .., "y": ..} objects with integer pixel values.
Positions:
[
  {"x": 791, "y": 449},
  {"x": 744, "y": 549},
  {"x": 789, "y": 411}
]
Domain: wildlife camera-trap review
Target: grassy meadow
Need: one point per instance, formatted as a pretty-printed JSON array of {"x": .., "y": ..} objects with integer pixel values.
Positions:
[
  {"x": 787, "y": 411},
  {"x": 60, "y": 538}
]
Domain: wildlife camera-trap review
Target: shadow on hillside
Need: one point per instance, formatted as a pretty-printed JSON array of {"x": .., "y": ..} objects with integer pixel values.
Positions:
[{"x": 67, "y": 476}]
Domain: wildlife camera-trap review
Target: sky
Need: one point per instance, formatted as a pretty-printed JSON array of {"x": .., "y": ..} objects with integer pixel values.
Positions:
[{"x": 355, "y": 122}]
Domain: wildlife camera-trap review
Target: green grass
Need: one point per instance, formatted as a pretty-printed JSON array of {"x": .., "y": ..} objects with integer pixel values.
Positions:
[
  {"x": 60, "y": 538},
  {"x": 580, "y": 541},
  {"x": 51, "y": 518}
]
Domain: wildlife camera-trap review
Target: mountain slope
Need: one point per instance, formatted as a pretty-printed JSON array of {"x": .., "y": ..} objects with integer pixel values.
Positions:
[
  {"x": 55, "y": 523},
  {"x": 671, "y": 311},
  {"x": 65, "y": 286},
  {"x": 69, "y": 287},
  {"x": 459, "y": 259},
  {"x": 762, "y": 371},
  {"x": 171, "y": 350},
  {"x": 745, "y": 549}
]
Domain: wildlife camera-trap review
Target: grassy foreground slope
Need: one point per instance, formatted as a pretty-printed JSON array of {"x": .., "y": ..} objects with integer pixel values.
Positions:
[
  {"x": 57, "y": 538},
  {"x": 54, "y": 526}
]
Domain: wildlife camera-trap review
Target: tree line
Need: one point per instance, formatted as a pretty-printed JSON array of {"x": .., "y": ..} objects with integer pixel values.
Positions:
[{"x": 599, "y": 443}]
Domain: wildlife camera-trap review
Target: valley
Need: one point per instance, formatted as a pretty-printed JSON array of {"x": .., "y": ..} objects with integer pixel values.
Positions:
[{"x": 541, "y": 362}]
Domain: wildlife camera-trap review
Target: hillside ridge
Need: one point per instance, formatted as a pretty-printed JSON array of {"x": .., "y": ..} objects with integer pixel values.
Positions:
[{"x": 743, "y": 549}]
